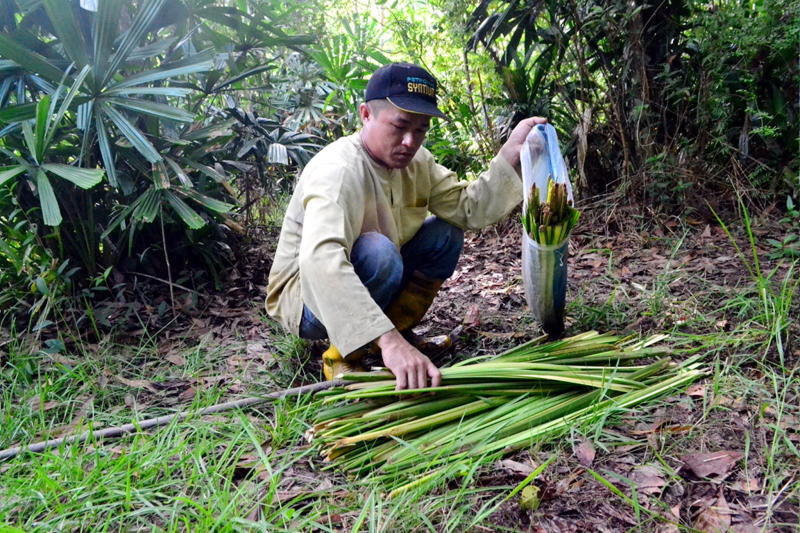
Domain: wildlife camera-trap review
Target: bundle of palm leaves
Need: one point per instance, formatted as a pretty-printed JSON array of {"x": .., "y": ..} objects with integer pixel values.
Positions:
[
  {"x": 487, "y": 407},
  {"x": 549, "y": 223}
]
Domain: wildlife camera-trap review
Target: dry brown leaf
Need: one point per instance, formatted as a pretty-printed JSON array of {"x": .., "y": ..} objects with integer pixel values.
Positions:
[
  {"x": 502, "y": 335},
  {"x": 649, "y": 479},
  {"x": 746, "y": 485},
  {"x": 36, "y": 404},
  {"x": 130, "y": 401},
  {"x": 585, "y": 453},
  {"x": 515, "y": 467},
  {"x": 790, "y": 422},
  {"x": 698, "y": 390},
  {"x": 472, "y": 318},
  {"x": 34, "y": 401},
  {"x": 714, "y": 518},
  {"x": 711, "y": 464},
  {"x": 620, "y": 512},
  {"x": 61, "y": 359},
  {"x": 187, "y": 395},
  {"x": 736, "y": 403},
  {"x": 176, "y": 359},
  {"x": 80, "y": 415},
  {"x": 138, "y": 383},
  {"x": 745, "y": 528},
  {"x": 255, "y": 349},
  {"x": 284, "y": 496},
  {"x": 673, "y": 516}
]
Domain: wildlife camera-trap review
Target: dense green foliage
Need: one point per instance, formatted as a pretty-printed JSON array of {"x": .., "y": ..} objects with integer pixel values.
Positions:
[
  {"x": 151, "y": 107},
  {"x": 144, "y": 135},
  {"x": 657, "y": 98}
]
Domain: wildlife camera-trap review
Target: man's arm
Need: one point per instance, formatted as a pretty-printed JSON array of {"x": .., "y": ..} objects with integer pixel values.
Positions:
[{"x": 487, "y": 199}]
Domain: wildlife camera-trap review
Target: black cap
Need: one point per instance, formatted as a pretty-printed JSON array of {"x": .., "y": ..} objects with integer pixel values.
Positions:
[{"x": 407, "y": 87}]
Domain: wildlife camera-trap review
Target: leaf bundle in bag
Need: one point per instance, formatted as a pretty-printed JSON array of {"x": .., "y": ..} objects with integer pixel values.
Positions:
[{"x": 547, "y": 219}]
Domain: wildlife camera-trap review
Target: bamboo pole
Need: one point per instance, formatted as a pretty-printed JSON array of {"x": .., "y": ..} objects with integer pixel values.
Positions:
[{"x": 142, "y": 425}]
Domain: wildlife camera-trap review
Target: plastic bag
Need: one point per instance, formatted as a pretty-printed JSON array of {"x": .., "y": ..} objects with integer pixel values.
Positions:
[{"x": 544, "y": 262}]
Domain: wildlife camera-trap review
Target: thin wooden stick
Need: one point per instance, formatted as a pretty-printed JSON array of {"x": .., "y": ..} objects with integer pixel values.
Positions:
[{"x": 142, "y": 425}]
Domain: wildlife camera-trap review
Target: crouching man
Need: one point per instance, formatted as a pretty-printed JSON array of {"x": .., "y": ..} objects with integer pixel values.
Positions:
[{"x": 359, "y": 261}]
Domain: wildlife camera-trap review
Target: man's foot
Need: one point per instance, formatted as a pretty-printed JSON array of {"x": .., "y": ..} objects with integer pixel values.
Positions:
[{"x": 333, "y": 364}]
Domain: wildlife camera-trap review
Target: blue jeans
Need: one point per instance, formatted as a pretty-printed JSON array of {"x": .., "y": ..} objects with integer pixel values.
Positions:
[{"x": 385, "y": 271}]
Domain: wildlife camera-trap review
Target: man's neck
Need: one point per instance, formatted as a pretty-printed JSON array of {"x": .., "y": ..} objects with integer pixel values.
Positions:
[{"x": 366, "y": 149}]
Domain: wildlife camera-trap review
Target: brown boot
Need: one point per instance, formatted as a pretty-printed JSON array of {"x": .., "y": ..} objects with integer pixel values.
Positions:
[
  {"x": 407, "y": 310},
  {"x": 334, "y": 364}
]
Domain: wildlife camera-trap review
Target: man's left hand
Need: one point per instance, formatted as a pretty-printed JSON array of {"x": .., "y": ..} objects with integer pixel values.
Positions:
[{"x": 511, "y": 148}]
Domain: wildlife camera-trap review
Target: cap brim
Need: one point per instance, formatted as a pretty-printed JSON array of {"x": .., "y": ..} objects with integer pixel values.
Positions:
[{"x": 416, "y": 105}]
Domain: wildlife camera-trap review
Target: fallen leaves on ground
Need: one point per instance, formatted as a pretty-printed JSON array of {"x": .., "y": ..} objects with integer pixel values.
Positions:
[
  {"x": 711, "y": 464},
  {"x": 515, "y": 467},
  {"x": 585, "y": 453},
  {"x": 715, "y": 518},
  {"x": 649, "y": 479}
]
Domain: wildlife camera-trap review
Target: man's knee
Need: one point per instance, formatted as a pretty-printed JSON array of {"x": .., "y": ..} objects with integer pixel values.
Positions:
[
  {"x": 452, "y": 236},
  {"x": 435, "y": 249},
  {"x": 376, "y": 259}
]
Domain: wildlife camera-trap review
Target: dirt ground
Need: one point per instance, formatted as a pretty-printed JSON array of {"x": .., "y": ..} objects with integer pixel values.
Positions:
[
  {"x": 614, "y": 271},
  {"x": 680, "y": 459}
]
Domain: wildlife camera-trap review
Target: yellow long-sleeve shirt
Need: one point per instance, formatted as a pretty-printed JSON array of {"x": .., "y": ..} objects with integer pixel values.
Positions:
[{"x": 342, "y": 193}]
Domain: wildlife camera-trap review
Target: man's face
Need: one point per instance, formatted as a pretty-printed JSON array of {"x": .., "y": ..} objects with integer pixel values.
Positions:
[{"x": 392, "y": 136}]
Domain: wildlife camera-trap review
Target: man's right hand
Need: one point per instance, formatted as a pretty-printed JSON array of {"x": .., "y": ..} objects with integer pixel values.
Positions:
[{"x": 411, "y": 368}]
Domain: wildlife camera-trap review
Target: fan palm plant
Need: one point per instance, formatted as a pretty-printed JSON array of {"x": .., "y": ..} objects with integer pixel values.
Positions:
[
  {"x": 139, "y": 73},
  {"x": 126, "y": 101}
]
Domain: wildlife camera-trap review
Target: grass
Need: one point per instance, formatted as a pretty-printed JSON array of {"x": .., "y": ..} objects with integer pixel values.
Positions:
[
  {"x": 252, "y": 471},
  {"x": 233, "y": 471}
]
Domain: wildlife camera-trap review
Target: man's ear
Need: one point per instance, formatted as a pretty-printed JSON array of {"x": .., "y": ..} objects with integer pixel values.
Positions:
[{"x": 364, "y": 112}]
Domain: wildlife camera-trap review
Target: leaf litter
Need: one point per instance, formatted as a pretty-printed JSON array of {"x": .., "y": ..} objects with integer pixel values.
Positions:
[{"x": 484, "y": 304}]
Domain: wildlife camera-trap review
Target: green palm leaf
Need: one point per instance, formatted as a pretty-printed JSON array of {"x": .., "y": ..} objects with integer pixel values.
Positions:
[
  {"x": 130, "y": 132},
  {"x": 219, "y": 129},
  {"x": 189, "y": 215},
  {"x": 68, "y": 31},
  {"x": 84, "y": 178},
  {"x": 152, "y": 108},
  {"x": 176, "y": 168},
  {"x": 147, "y": 205},
  {"x": 105, "y": 152},
  {"x": 196, "y": 63},
  {"x": 207, "y": 170},
  {"x": 134, "y": 35},
  {"x": 29, "y": 60},
  {"x": 6, "y": 173},
  {"x": 42, "y": 114},
  {"x": 151, "y": 50},
  {"x": 179, "y": 92},
  {"x": 207, "y": 201},
  {"x": 30, "y": 139},
  {"x": 73, "y": 91},
  {"x": 243, "y": 75},
  {"x": 105, "y": 28},
  {"x": 51, "y": 214}
]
